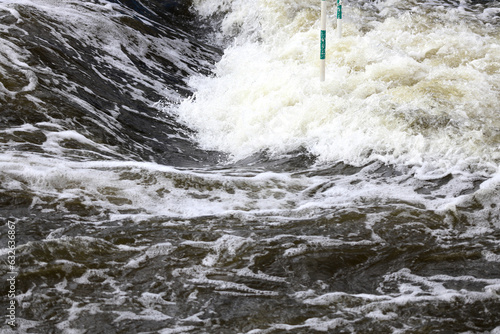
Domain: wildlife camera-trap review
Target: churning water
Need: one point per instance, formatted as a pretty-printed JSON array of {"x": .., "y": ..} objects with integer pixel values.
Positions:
[{"x": 178, "y": 167}]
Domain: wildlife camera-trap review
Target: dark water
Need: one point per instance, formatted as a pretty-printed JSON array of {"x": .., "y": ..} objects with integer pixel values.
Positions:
[{"x": 161, "y": 173}]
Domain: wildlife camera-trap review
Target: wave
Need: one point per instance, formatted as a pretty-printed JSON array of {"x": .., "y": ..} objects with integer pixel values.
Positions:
[
  {"x": 100, "y": 69},
  {"x": 408, "y": 84}
]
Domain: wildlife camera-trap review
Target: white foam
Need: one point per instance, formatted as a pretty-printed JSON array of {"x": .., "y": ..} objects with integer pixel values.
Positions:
[
  {"x": 147, "y": 314},
  {"x": 231, "y": 288},
  {"x": 225, "y": 249},
  {"x": 107, "y": 185},
  {"x": 490, "y": 256},
  {"x": 155, "y": 250},
  {"x": 245, "y": 272},
  {"x": 415, "y": 89},
  {"x": 14, "y": 56},
  {"x": 413, "y": 290},
  {"x": 379, "y": 315},
  {"x": 334, "y": 297},
  {"x": 84, "y": 279},
  {"x": 150, "y": 300},
  {"x": 177, "y": 329}
]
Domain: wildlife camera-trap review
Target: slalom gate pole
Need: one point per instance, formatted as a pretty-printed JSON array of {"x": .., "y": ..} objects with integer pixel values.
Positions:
[
  {"x": 322, "y": 52},
  {"x": 339, "y": 18}
]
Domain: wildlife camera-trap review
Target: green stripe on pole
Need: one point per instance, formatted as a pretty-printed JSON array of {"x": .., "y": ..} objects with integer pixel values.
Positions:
[
  {"x": 322, "y": 53},
  {"x": 323, "y": 44},
  {"x": 339, "y": 18}
]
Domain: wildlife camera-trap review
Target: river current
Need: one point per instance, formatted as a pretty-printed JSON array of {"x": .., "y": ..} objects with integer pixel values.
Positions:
[{"x": 178, "y": 167}]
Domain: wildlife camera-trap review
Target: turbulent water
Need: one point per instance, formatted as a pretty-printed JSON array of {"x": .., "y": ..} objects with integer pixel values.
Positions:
[{"x": 178, "y": 167}]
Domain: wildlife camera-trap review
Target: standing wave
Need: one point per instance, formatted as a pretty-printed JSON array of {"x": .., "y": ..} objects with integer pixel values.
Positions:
[{"x": 408, "y": 84}]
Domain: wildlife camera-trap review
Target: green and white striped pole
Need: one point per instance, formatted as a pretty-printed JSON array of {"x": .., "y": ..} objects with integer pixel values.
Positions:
[
  {"x": 322, "y": 52},
  {"x": 339, "y": 18}
]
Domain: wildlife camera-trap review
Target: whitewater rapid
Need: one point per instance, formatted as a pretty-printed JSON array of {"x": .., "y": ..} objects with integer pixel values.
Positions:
[
  {"x": 408, "y": 84},
  {"x": 175, "y": 167}
]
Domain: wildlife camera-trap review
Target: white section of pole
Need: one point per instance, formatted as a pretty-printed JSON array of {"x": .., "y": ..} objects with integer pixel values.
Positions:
[{"x": 322, "y": 55}]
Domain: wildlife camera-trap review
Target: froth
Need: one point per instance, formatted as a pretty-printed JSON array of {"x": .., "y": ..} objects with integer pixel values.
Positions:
[{"x": 402, "y": 88}]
